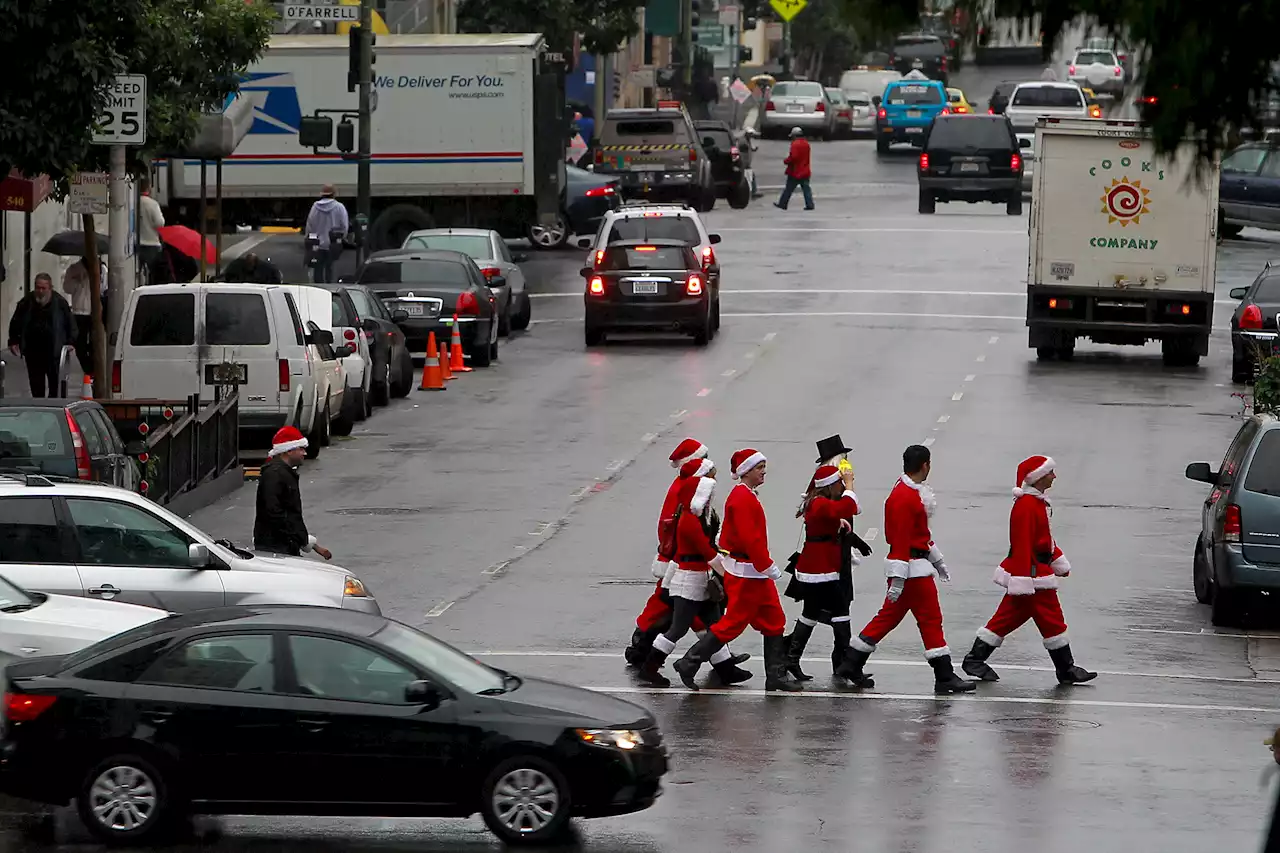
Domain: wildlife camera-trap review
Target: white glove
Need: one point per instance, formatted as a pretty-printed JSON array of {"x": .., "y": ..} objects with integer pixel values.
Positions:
[
  {"x": 659, "y": 568},
  {"x": 943, "y": 574},
  {"x": 895, "y": 589},
  {"x": 774, "y": 572}
]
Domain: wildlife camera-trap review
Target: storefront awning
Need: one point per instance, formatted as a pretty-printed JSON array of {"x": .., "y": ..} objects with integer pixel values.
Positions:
[{"x": 23, "y": 194}]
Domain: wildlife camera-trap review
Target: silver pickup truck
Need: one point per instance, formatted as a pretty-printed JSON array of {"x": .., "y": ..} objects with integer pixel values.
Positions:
[{"x": 1032, "y": 101}]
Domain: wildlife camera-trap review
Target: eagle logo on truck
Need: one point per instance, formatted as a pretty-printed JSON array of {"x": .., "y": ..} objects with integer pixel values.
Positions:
[{"x": 1125, "y": 201}]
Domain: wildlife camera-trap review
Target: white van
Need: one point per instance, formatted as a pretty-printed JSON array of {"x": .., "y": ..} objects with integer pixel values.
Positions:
[
  {"x": 181, "y": 339},
  {"x": 315, "y": 304}
]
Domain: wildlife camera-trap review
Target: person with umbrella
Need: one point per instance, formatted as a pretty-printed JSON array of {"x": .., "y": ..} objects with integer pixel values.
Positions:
[
  {"x": 41, "y": 328},
  {"x": 77, "y": 284},
  {"x": 250, "y": 268}
]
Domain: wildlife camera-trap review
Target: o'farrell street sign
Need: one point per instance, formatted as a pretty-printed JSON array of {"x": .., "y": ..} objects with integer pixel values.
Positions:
[{"x": 331, "y": 13}]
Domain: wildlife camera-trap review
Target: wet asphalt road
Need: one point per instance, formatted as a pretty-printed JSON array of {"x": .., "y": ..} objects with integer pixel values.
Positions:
[{"x": 513, "y": 516}]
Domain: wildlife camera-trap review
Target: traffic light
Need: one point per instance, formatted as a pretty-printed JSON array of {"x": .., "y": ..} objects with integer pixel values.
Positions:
[
  {"x": 744, "y": 53},
  {"x": 346, "y": 136},
  {"x": 695, "y": 7},
  {"x": 353, "y": 58}
]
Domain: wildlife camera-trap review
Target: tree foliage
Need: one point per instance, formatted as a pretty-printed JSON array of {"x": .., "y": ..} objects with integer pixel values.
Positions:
[
  {"x": 62, "y": 57},
  {"x": 603, "y": 24}
]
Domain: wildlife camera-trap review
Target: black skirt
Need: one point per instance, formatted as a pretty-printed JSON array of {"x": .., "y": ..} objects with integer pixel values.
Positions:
[{"x": 824, "y": 595}]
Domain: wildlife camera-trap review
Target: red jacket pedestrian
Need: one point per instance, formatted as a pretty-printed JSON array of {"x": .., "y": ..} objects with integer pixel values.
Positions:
[{"x": 797, "y": 161}]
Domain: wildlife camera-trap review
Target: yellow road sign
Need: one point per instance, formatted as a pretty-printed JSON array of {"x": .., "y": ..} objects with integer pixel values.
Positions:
[{"x": 788, "y": 9}]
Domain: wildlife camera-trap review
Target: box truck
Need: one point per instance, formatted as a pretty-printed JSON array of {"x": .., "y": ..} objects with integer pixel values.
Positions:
[
  {"x": 467, "y": 130},
  {"x": 1123, "y": 242}
]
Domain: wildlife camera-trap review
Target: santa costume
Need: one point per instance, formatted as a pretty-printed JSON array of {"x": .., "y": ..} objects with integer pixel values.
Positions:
[
  {"x": 1029, "y": 576},
  {"x": 912, "y": 564},
  {"x": 748, "y": 580},
  {"x": 689, "y": 576},
  {"x": 819, "y": 582}
]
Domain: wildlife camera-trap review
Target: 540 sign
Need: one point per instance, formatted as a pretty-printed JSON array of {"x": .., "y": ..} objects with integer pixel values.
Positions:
[{"x": 124, "y": 121}]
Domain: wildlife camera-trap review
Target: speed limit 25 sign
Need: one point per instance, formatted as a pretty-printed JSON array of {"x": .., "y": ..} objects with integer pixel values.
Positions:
[{"x": 124, "y": 121}]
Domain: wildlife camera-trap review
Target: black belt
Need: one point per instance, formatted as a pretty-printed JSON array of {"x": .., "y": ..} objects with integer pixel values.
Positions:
[
  {"x": 739, "y": 557},
  {"x": 919, "y": 554},
  {"x": 1040, "y": 556},
  {"x": 820, "y": 539},
  {"x": 691, "y": 558}
]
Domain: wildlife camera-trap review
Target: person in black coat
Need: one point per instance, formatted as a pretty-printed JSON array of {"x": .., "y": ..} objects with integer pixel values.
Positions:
[
  {"x": 249, "y": 268},
  {"x": 278, "y": 526},
  {"x": 41, "y": 328}
]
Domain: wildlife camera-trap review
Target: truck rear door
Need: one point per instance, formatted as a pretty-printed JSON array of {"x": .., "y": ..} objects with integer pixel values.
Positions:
[
  {"x": 647, "y": 144},
  {"x": 158, "y": 359},
  {"x": 240, "y": 347}
]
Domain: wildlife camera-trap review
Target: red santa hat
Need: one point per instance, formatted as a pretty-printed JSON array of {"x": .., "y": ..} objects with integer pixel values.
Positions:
[
  {"x": 744, "y": 460},
  {"x": 286, "y": 439},
  {"x": 687, "y": 450},
  {"x": 1032, "y": 469},
  {"x": 824, "y": 476},
  {"x": 696, "y": 468}
]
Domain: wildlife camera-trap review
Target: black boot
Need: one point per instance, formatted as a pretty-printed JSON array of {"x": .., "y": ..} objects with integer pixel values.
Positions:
[
  {"x": 687, "y": 666},
  {"x": 1068, "y": 672},
  {"x": 775, "y": 665},
  {"x": 649, "y": 670},
  {"x": 843, "y": 633},
  {"x": 730, "y": 673},
  {"x": 641, "y": 643},
  {"x": 945, "y": 679},
  {"x": 975, "y": 663},
  {"x": 851, "y": 668},
  {"x": 794, "y": 644}
]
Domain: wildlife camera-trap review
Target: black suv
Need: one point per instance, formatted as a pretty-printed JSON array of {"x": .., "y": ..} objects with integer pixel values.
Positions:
[
  {"x": 730, "y": 158},
  {"x": 920, "y": 52},
  {"x": 650, "y": 284},
  {"x": 971, "y": 158},
  {"x": 1000, "y": 96}
]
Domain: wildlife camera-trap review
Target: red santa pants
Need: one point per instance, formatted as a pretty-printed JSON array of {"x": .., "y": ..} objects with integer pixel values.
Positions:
[
  {"x": 919, "y": 598},
  {"x": 656, "y": 615},
  {"x": 1015, "y": 610},
  {"x": 751, "y": 602}
]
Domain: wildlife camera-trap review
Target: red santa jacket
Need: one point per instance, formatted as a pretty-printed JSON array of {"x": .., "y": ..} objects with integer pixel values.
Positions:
[
  {"x": 1035, "y": 561},
  {"x": 912, "y": 553},
  {"x": 745, "y": 535},
  {"x": 797, "y": 161},
  {"x": 820, "y": 557},
  {"x": 669, "y": 505},
  {"x": 694, "y": 549}
]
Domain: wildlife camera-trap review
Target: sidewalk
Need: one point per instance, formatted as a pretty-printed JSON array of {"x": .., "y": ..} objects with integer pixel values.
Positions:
[{"x": 17, "y": 385}]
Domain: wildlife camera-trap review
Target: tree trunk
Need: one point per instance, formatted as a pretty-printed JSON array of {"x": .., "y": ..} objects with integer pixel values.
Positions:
[{"x": 98, "y": 335}]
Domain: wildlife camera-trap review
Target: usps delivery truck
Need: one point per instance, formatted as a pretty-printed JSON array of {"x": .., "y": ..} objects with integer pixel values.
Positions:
[
  {"x": 467, "y": 130},
  {"x": 1123, "y": 241}
]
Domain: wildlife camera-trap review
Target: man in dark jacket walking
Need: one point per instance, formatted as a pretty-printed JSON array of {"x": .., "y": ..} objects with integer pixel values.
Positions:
[
  {"x": 41, "y": 328},
  {"x": 278, "y": 526}
]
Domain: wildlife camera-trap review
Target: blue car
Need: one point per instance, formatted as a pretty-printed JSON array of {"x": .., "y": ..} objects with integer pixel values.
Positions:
[{"x": 907, "y": 108}]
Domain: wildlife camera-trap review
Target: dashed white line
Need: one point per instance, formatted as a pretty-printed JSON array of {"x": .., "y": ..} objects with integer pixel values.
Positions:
[
  {"x": 871, "y": 534},
  {"x": 704, "y": 392},
  {"x": 770, "y": 336},
  {"x": 1021, "y": 233},
  {"x": 615, "y": 465},
  {"x": 649, "y": 437},
  {"x": 679, "y": 414},
  {"x": 729, "y": 373},
  {"x": 982, "y": 357},
  {"x": 993, "y": 339},
  {"x": 495, "y": 569},
  {"x": 1206, "y": 633},
  {"x": 928, "y": 442},
  {"x": 955, "y": 398},
  {"x": 942, "y": 419},
  {"x": 439, "y": 609},
  {"x": 970, "y": 377}
]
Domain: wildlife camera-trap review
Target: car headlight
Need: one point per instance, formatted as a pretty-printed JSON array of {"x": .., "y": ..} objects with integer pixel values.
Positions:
[
  {"x": 353, "y": 587},
  {"x": 621, "y": 738}
]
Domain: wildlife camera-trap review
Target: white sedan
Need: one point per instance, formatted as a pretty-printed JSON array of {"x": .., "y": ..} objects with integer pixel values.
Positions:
[{"x": 36, "y": 623}]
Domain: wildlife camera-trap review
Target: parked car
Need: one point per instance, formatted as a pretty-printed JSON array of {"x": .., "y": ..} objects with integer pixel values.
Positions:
[
  {"x": 1254, "y": 329},
  {"x": 68, "y": 438},
  {"x": 176, "y": 340},
  {"x": 1249, "y": 189},
  {"x": 844, "y": 112},
  {"x": 862, "y": 121},
  {"x": 36, "y": 623},
  {"x": 279, "y": 710},
  {"x": 88, "y": 539},
  {"x": 1237, "y": 554},
  {"x": 358, "y": 366},
  {"x": 1027, "y": 147},
  {"x": 496, "y": 261},
  {"x": 588, "y": 197},
  {"x": 728, "y": 167},
  {"x": 867, "y": 79},
  {"x": 336, "y": 370},
  {"x": 798, "y": 103},
  {"x": 646, "y": 285},
  {"x": 392, "y": 365},
  {"x": 432, "y": 286},
  {"x": 971, "y": 158},
  {"x": 920, "y": 52}
]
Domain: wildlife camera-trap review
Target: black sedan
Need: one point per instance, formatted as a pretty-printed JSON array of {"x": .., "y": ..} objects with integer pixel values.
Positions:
[
  {"x": 728, "y": 165},
  {"x": 650, "y": 284},
  {"x": 432, "y": 287},
  {"x": 1253, "y": 324},
  {"x": 392, "y": 364},
  {"x": 314, "y": 711}
]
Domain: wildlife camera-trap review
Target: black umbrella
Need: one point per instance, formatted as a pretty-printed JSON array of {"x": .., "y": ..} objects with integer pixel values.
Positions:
[{"x": 71, "y": 244}]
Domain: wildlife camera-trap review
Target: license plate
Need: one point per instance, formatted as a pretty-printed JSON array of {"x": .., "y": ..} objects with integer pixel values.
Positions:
[
  {"x": 226, "y": 374},
  {"x": 915, "y": 130},
  {"x": 968, "y": 167},
  {"x": 639, "y": 287},
  {"x": 795, "y": 108},
  {"x": 414, "y": 309},
  {"x": 648, "y": 167},
  {"x": 917, "y": 63},
  {"x": 913, "y": 114}
]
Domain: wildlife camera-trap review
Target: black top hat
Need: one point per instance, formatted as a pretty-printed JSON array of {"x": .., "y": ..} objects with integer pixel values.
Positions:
[{"x": 831, "y": 447}]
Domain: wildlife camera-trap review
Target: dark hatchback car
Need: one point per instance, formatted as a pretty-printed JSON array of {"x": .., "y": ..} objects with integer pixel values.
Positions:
[
  {"x": 1254, "y": 330},
  {"x": 920, "y": 52},
  {"x": 314, "y": 711},
  {"x": 392, "y": 366},
  {"x": 65, "y": 438},
  {"x": 650, "y": 284},
  {"x": 1000, "y": 96},
  {"x": 728, "y": 161},
  {"x": 971, "y": 158},
  {"x": 432, "y": 286},
  {"x": 587, "y": 198}
]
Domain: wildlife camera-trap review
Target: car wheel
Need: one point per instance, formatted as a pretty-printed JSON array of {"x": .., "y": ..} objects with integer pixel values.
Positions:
[
  {"x": 1241, "y": 371},
  {"x": 927, "y": 202},
  {"x": 366, "y": 405},
  {"x": 395, "y": 224},
  {"x": 547, "y": 237},
  {"x": 882, "y": 145},
  {"x": 402, "y": 389},
  {"x": 703, "y": 333},
  {"x": 1226, "y": 607},
  {"x": 592, "y": 336},
  {"x": 493, "y": 348},
  {"x": 319, "y": 428},
  {"x": 1013, "y": 206},
  {"x": 525, "y": 800},
  {"x": 382, "y": 389},
  {"x": 324, "y": 431},
  {"x": 482, "y": 353},
  {"x": 346, "y": 419},
  {"x": 740, "y": 195},
  {"x": 1201, "y": 578},
  {"x": 715, "y": 315},
  {"x": 521, "y": 320},
  {"x": 1067, "y": 351},
  {"x": 1179, "y": 352},
  {"x": 1046, "y": 353},
  {"x": 504, "y": 322},
  {"x": 125, "y": 800}
]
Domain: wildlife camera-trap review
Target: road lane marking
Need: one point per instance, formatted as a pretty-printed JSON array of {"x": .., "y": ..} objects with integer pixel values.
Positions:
[
  {"x": 730, "y": 373},
  {"x": 955, "y": 398},
  {"x": 770, "y": 336},
  {"x": 704, "y": 392},
  {"x": 1206, "y": 632},
  {"x": 993, "y": 339},
  {"x": 649, "y": 437},
  {"x": 439, "y": 609},
  {"x": 970, "y": 377},
  {"x": 869, "y": 537},
  {"x": 981, "y": 358},
  {"x": 1020, "y": 233},
  {"x": 928, "y": 442},
  {"x": 615, "y": 465},
  {"x": 496, "y": 568},
  {"x": 871, "y": 534},
  {"x": 942, "y": 419}
]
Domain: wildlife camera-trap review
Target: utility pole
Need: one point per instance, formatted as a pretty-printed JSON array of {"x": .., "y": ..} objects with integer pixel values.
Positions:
[
  {"x": 686, "y": 41},
  {"x": 118, "y": 286},
  {"x": 365, "y": 146}
]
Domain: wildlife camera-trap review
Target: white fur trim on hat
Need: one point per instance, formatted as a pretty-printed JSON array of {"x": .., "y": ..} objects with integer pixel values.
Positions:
[
  {"x": 702, "y": 495},
  {"x": 704, "y": 468},
  {"x": 700, "y": 453},
  {"x": 1046, "y": 468},
  {"x": 827, "y": 481},
  {"x": 286, "y": 446},
  {"x": 747, "y": 464}
]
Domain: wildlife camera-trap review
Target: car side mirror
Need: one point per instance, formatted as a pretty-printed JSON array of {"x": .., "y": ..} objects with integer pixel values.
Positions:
[
  {"x": 875, "y": 100},
  {"x": 519, "y": 258},
  {"x": 135, "y": 448},
  {"x": 713, "y": 238},
  {"x": 322, "y": 336},
  {"x": 585, "y": 242},
  {"x": 1024, "y": 143},
  {"x": 1202, "y": 473},
  {"x": 423, "y": 693},
  {"x": 198, "y": 555},
  {"x": 399, "y": 315},
  {"x": 497, "y": 281},
  {"x": 344, "y": 351},
  {"x": 586, "y": 271},
  {"x": 369, "y": 324},
  {"x": 345, "y": 280},
  {"x": 1238, "y": 292}
]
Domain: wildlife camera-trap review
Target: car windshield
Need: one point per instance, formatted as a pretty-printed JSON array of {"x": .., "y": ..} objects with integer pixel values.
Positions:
[
  {"x": 476, "y": 246},
  {"x": 795, "y": 89},
  {"x": 451, "y": 665},
  {"x": 415, "y": 272},
  {"x": 1268, "y": 292},
  {"x": 719, "y": 137},
  {"x": 1092, "y": 57},
  {"x": 655, "y": 228},
  {"x": 909, "y": 94},
  {"x": 32, "y": 434},
  {"x": 970, "y": 132},
  {"x": 364, "y": 307},
  {"x": 649, "y": 127},
  {"x": 644, "y": 258},
  {"x": 912, "y": 41},
  {"x": 836, "y": 96},
  {"x": 1048, "y": 96},
  {"x": 12, "y": 598}
]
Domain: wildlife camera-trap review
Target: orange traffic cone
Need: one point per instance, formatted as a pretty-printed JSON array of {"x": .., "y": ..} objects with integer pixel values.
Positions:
[
  {"x": 86, "y": 389},
  {"x": 456, "y": 364},
  {"x": 431, "y": 376},
  {"x": 445, "y": 371}
]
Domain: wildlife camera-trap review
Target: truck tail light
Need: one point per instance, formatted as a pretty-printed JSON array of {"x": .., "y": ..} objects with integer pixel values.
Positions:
[
  {"x": 25, "y": 707},
  {"x": 769, "y": 107},
  {"x": 1095, "y": 111},
  {"x": 708, "y": 257},
  {"x": 1015, "y": 162},
  {"x": 467, "y": 304},
  {"x": 598, "y": 192},
  {"x": 1231, "y": 524},
  {"x": 599, "y": 157},
  {"x": 349, "y": 335},
  {"x": 1056, "y": 304},
  {"x": 116, "y": 376},
  {"x": 83, "y": 464},
  {"x": 596, "y": 288},
  {"x": 820, "y": 108},
  {"x": 882, "y": 113},
  {"x": 284, "y": 375},
  {"x": 924, "y": 162},
  {"x": 693, "y": 286},
  {"x": 693, "y": 154},
  {"x": 1183, "y": 308},
  {"x": 1251, "y": 318}
]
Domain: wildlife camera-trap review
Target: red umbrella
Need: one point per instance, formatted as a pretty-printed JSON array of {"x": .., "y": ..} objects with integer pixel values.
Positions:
[{"x": 187, "y": 241}]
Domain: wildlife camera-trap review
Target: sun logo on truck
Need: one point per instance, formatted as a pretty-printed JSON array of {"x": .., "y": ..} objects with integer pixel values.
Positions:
[{"x": 1125, "y": 201}]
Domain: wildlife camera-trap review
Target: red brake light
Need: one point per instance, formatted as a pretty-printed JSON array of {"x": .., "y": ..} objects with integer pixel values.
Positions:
[
  {"x": 991, "y": 111},
  {"x": 646, "y": 249},
  {"x": 83, "y": 465},
  {"x": 467, "y": 304},
  {"x": 693, "y": 286},
  {"x": 1231, "y": 524},
  {"x": 1119, "y": 71},
  {"x": 597, "y": 286},
  {"x": 599, "y": 157},
  {"x": 924, "y": 162},
  {"x": 1071, "y": 69},
  {"x": 769, "y": 107},
  {"x": 1015, "y": 162},
  {"x": 115, "y": 377},
  {"x": 1186, "y": 310},
  {"x": 598, "y": 192},
  {"x": 24, "y": 707},
  {"x": 881, "y": 113},
  {"x": 490, "y": 273},
  {"x": 599, "y": 257},
  {"x": 1251, "y": 318},
  {"x": 1095, "y": 111},
  {"x": 693, "y": 155},
  {"x": 284, "y": 376},
  {"x": 349, "y": 335},
  {"x": 708, "y": 257},
  {"x": 820, "y": 108}
]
